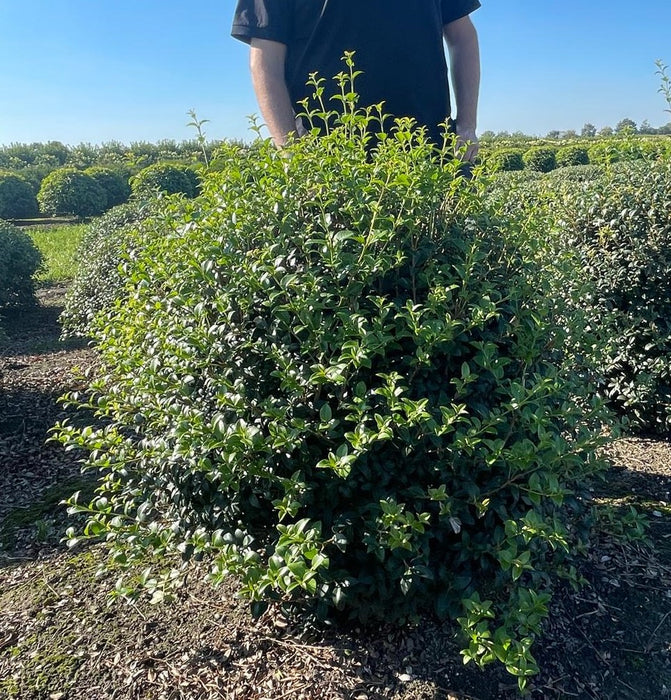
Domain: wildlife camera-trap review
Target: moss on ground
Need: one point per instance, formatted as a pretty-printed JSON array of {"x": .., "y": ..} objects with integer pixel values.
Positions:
[{"x": 40, "y": 516}]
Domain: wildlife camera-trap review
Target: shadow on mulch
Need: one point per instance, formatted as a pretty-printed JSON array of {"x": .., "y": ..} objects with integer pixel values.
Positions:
[{"x": 33, "y": 330}]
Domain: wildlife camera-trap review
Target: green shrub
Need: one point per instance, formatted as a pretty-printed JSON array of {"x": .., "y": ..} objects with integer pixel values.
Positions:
[
  {"x": 613, "y": 225},
  {"x": 17, "y": 199},
  {"x": 506, "y": 159},
  {"x": 169, "y": 178},
  {"x": 572, "y": 155},
  {"x": 114, "y": 182},
  {"x": 71, "y": 191},
  {"x": 341, "y": 386},
  {"x": 574, "y": 173},
  {"x": 620, "y": 227},
  {"x": 19, "y": 261},
  {"x": 99, "y": 280},
  {"x": 615, "y": 150},
  {"x": 34, "y": 174},
  {"x": 540, "y": 158}
]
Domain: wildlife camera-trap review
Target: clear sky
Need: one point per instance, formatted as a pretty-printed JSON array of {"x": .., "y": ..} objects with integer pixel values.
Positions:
[{"x": 129, "y": 70}]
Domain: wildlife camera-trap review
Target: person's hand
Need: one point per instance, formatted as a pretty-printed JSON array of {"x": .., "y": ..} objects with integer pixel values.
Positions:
[{"x": 467, "y": 138}]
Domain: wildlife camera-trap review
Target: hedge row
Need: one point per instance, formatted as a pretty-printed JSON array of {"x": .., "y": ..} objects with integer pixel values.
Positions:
[
  {"x": 544, "y": 158},
  {"x": 19, "y": 261},
  {"x": 90, "y": 192},
  {"x": 614, "y": 223}
]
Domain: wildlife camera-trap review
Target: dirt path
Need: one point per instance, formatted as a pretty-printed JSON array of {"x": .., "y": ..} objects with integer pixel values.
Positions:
[{"x": 60, "y": 640}]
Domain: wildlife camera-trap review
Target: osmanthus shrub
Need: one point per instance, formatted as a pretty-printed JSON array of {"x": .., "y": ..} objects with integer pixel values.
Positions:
[
  {"x": 506, "y": 159},
  {"x": 573, "y": 154},
  {"x": 540, "y": 158},
  {"x": 113, "y": 181},
  {"x": 619, "y": 227},
  {"x": 336, "y": 377},
  {"x": 606, "y": 242},
  {"x": 20, "y": 259},
  {"x": 71, "y": 191},
  {"x": 100, "y": 279},
  {"x": 17, "y": 198},
  {"x": 168, "y": 178}
]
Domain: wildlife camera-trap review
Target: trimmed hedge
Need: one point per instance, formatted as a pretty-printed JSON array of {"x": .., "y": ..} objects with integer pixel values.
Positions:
[
  {"x": 100, "y": 280},
  {"x": 613, "y": 223},
  {"x": 17, "y": 199},
  {"x": 71, "y": 191},
  {"x": 572, "y": 155},
  {"x": 168, "y": 178},
  {"x": 114, "y": 182},
  {"x": 540, "y": 158},
  {"x": 19, "y": 261},
  {"x": 506, "y": 159}
]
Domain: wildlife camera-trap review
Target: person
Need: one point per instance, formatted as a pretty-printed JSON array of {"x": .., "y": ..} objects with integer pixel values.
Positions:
[{"x": 398, "y": 45}]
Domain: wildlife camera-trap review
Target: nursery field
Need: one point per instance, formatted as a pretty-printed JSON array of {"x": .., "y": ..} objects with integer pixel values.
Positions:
[{"x": 416, "y": 418}]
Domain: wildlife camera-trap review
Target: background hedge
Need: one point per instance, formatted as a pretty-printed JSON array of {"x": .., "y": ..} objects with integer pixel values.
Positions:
[{"x": 19, "y": 261}]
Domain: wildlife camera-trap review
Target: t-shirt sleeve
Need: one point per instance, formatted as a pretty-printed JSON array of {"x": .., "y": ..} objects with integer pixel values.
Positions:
[
  {"x": 456, "y": 9},
  {"x": 262, "y": 19}
]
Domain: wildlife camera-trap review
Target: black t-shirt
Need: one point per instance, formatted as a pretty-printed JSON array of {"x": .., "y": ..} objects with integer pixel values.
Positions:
[{"x": 398, "y": 44}]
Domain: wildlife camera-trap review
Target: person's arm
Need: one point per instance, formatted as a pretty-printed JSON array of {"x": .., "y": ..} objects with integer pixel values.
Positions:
[
  {"x": 462, "y": 43},
  {"x": 266, "y": 60}
]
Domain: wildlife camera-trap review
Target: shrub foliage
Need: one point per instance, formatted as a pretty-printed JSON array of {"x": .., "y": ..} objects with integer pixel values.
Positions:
[
  {"x": 507, "y": 159},
  {"x": 114, "y": 182},
  {"x": 169, "y": 178},
  {"x": 572, "y": 155},
  {"x": 540, "y": 158},
  {"x": 19, "y": 261},
  {"x": 336, "y": 377},
  {"x": 611, "y": 225},
  {"x": 71, "y": 191},
  {"x": 17, "y": 198},
  {"x": 100, "y": 280},
  {"x": 620, "y": 227}
]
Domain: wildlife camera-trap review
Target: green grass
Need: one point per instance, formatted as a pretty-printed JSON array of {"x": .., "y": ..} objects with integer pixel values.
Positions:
[{"x": 58, "y": 245}]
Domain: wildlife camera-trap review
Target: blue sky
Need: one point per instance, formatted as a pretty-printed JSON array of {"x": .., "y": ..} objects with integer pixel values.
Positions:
[{"x": 129, "y": 70}]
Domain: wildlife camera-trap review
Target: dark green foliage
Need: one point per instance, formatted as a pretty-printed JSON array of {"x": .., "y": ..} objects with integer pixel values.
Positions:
[
  {"x": 620, "y": 226},
  {"x": 607, "y": 244},
  {"x": 113, "y": 181},
  {"x": 19, "y": 261},
  {"x": 575, "y": 173},
  {"x": 17, "y": 199},
  {"x": 506, "y": 159},
  {"x": 336, "y": 376},
  {"x": 34, "y": 174},
  {"x": 100, "y": 279},
  {"x": 169, "y": 178},
  {"x": 71, "y": 191},
  {"x": 572, "y": 155},
  {"x": 540, "y": 158}
]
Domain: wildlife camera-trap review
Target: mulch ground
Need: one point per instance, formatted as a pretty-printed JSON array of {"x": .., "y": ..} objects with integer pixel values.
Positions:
[{"x": 60, "y": 639}]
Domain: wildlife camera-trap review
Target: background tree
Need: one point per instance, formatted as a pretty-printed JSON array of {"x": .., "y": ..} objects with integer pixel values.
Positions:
[
  {"x": 646, "y": 128},
  {"x": 626, "y": 125},
  {"x": 588, "y": 130}
]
